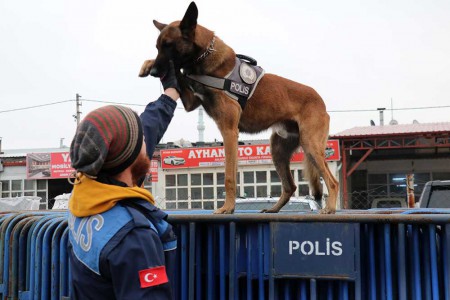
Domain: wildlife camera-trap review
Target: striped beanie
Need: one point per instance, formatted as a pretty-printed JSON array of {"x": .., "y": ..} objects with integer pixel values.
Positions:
[{"x": 108, "y": 140}]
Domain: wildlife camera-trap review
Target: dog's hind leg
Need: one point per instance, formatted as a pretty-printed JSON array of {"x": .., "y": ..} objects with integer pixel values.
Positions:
[
  {"x": 313, "y": 138},
  {"x": 313, "y": 177},
  {"x": 282, "y": 147}
]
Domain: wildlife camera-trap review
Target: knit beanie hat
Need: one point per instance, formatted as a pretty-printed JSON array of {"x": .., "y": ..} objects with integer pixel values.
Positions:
[{"x": 108, "y": 140}]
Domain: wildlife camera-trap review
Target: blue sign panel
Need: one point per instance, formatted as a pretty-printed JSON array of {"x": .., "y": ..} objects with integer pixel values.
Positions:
[{"x": 316, "y": 250}]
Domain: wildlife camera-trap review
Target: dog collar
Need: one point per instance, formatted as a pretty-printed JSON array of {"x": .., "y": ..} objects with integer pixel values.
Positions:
[{"x": 208, "y": 51}]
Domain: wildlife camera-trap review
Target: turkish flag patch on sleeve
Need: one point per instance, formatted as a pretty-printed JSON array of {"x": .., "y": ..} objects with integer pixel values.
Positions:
[{"x": 153, "y": 276}]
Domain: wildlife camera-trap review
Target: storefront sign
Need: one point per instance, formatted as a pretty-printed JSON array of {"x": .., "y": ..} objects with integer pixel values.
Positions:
[
  {"x": 247, "y": 155},
  {"x": 57, "y": 165},
  {"x": 153, "y": 171},
  {"x": 48, "y": 165}
]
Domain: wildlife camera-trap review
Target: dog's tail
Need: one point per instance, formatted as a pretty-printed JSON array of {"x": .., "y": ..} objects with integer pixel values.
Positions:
[{"x": 313, "y": 176}]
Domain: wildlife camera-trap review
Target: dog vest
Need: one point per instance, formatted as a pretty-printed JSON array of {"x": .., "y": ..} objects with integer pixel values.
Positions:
[{"x": 240, "y": 83}]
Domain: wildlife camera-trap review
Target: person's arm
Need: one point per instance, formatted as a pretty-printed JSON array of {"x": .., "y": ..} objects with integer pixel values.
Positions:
[
  {"x": 155, "y": 120},
  {"x": 172, "y": 93},
  {"x": 136, "y": 267},
  {"x": 157, "y": 115}
]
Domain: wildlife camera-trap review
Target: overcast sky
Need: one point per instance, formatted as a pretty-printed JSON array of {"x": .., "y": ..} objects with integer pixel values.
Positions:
[{"x": 358, "y": 55}]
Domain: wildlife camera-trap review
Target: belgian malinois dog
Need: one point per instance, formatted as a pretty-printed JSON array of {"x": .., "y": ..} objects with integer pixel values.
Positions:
[{"x": 295, "y": 112}]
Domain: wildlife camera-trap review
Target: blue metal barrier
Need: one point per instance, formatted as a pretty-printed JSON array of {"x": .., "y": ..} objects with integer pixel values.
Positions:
[{"x": 381, "y": 254}]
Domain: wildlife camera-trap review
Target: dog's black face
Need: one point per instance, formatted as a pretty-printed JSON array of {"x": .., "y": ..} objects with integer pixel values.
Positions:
[{"x": 176, "y": 43}]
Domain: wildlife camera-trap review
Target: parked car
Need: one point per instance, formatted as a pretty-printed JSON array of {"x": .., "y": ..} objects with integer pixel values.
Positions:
[
  {"x": 389, "y": 203},
  {"x": 435, "y": 194},
  {"x": 295, "y": 204},
  {"x": 174, "y": 161},
  {"x": 329, "y": 152}
]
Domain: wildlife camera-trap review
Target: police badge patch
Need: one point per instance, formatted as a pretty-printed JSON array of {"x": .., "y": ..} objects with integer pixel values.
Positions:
[{"x": 247, "y": 73}]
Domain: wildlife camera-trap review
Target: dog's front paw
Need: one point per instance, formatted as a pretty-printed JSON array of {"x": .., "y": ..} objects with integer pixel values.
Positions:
[
  {"x": 224, "y": 210},
  {"x": 146, "y": 67},
  {"x": 269, "y": 211},
  {"x": 328, "y": 211}
]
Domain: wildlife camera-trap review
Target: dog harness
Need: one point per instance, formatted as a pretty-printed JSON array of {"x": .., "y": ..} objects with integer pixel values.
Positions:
[{"x": 240, "y": 83}]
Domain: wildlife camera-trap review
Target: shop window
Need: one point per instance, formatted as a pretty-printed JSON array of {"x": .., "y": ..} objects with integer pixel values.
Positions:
[
  {"x": 249, "y": 191},
  {"x": 171, "y": 205},
  {"x": 261, "y": 191},
  {"x": 209, "y": 205},
  {"x": 196, "y": 179},
  {"x": 249, "y": 177},
  {"x": 5, "y": 188},
  {"x": 182, "y": 205},
  {"x": 30, "y": 185},
  {"x": 41, "y": 185},
  {"x": 171, "y": 194},
  {"x": 220, "y": 185},
  {"x": 208, "y": 193},
  {"x": 255, "y": 184},
  {"x": 220, "y": 192},
  {"x": 196, "y": 193},
  {"x": 176, "y": 188},
  {"x": 196, "y": 204},
  {"x": 208, "y": 179},
  {"x": 301, "y": 175},
  {"x": 303, "y": 189},
  {"x": 183, "y": 193},
  {"x": 182, "y": 179},
  {"x": 43, "y": 195},
  {"x": 220, "y": 178},
  {"x": 261, "y": 176},
  {"x": 16, "y": 194},
  {"x": 275, "y": 190},
  {"x": 170, "y": 180},
  {"x": 5, "y": 185},
  {"x": 16, "y": 185},
  {"x": 274, "y": 177},
  {"x": 148, "y": 183}
]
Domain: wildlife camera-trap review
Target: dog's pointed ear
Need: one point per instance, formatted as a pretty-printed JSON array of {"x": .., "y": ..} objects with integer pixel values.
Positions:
[
  {"x": 158, "y": 25},
  {"x": 189, "y": 21}
]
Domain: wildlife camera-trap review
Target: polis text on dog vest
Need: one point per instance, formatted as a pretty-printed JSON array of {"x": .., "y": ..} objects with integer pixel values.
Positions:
[
  {"x": 239, "y": 88},
  {"x": 328, "y": 248}
]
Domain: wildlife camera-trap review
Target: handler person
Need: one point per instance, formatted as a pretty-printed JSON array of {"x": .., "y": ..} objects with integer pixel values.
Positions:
[{"x": 120, "y": 245}]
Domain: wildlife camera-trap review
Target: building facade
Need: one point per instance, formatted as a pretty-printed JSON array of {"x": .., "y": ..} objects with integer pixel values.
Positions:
[
  {"x": 194, "y": 178},
  {"x": 370, "y": 163},
  {"x": 392, "y": 161},
  {"x": 179, "y": 178}
]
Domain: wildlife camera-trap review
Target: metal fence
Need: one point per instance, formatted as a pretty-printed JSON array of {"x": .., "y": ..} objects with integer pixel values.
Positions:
[
  {"x": 33, "y": 254},
  {"x": 374, "y": 254}
]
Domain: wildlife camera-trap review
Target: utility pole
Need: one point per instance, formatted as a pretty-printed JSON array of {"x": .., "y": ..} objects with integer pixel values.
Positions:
[{"x": 78, "y": 115}]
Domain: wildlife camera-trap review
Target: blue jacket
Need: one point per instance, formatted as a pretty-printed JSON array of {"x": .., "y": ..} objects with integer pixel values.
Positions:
[
  {"x": 108, "y": 252},
  {"x": 155, "y": 120},
  {"x": 113, "y": 254}
]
